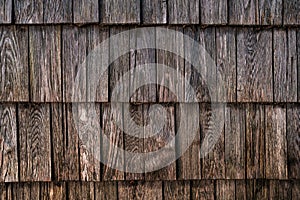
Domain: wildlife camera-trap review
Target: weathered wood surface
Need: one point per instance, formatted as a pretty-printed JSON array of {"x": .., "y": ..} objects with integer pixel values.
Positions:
[
  {"x": 183, "y": 12},
  {"x": 140, "y": 190},
  {"x": 154, "y": 12},
  {"x": 120, "y": 12},
  {"x": 106, "y": 190},
  {"x": 6, "y": 11},
  {"x": 34, "y": 141},
  {"x": 14, "y": 63},
  {"x": 291, "y": 12},
  {"x": 285, "y": 66},
  {"x": 293, "y": 141},
  {"x": 85, "y": 11},
  {"x": 213, "y": 12},
  {"x": 225, "y": 189},
  {"x": 28, "y": 11},
  {"x": 204, "y": 189},
  {"x": 80, "y": 190},
  {"x": 8, "y": 144},
  {"x": 298, "y": 62},
  {"x": 45, "y": 63},
  {"x": 57, "y": 11},
  {"x": 254, "y": 65},
  {"x": 177, "y": 190}
]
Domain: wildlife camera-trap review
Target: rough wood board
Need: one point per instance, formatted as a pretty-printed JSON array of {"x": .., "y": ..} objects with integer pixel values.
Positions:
[
  {"x": 65, "y": 143},
  {"x": 260, "y": 189},
  {"x": 280, "y": 189},
  {"x": 154, "y": 12},
  {"x": 106, "y": 190},
  {"x": 164, "y": 135},
  {"x": 8, "y": 144},
  {"x": 241, "y": 189},
  {"x": 235, "y": 134},
  {"x": 85, "y": 11},
  {"x": 120, "y": 12},
  {"x": 177, "y": 190},
  {"x": 225, "y": 189},
  {"x": 52, "y": 191},
  {"x": 254, "y": 65},
  {"x": 298, "y": 61},
  {"x": 26, "y": 191},
  {"x": 58, "y": 11},
  {"x": 6, "y": 11},
  {"x": 213, "y": 12},
  {"x": 14, "y": 63},
  {"x": 28, "y": 11},
  {"x": 295, "y": 189},
  {"x": 276, "y": 142},
  {"x": 183, "y": 12},
  {"x": 34, "y": 140},
  {"x": 285, "y": 65},
  {"x": 140, "y": 190},
  {"x": 74, "y": 47},
  {"x": 226, "y": 63},
  {"x": 255, "y": 141},
  {"x": 80, "y": 190},
  {"x": 291, "y": 12},
  {"x": 293, "y": 141},
  {"x": 45, "y": 63},
  {"x": 204, "y": 189}
]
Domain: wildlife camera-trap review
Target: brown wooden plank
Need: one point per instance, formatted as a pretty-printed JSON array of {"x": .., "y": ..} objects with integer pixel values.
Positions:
[
  {"x": 291, "y": 12},
  {"x": 120, "y": 12},
  {"x": 225, "y": 189},
  {"x": 176, "y": 190},
  {"x": 183, "y": 12},
  {"x": 285, "y": 66},
  {"x": 235, "y": 133},
  {"x": 8, "y": 144},
  {"x": 298, "y": 62},
  {"x": 276, "y": 142},
  {"x": 85, "y": 11},
  {"x": 140, "y": 190},
  {"x": 57, "y": 11},
  {"x": 295, "y": 189},
  {"x": 14, "y": 63},
  {"x": 95, "y": 36},
  {"x": 80, "y": 190},
  {"x": 28, "y": 11},
  {"x": 269, "y": 12},
  {"x": 5, "y": 191},
  {"x": 25, "y": 191},
  {"x": 74, "y": 47},
  {"x": 213, "y": 164},
  {"x": 164, "y": 135},
  {"x": 106, "y": 190},
  {"x": 111, "y": 119},
  {"x": 254, "y": 65},
  {"x": 154, "y": 12},
  {"x": 241, "y": 189},
  {"x": 279, "y": 189},
  {"x": 188, "y": 164},
  {"x": 226, "y": 63},
  {"x": 293, "y": 138},
  {"x": 260, "y": 189},
  {"x": 53, "y": 191},
  {"x": 65, "y": 143},
  {"x": 214, "y": 12},
  {"x": 34, "y": 140},
  {"x": 45, "y": 63},
  {"x": 204, "y": 189},
  {"x": 255, "y": 141},
  {"x": 6, "y": 11}
]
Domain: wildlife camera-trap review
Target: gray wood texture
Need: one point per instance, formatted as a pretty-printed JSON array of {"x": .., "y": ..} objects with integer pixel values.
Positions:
[
  {"x": 6, "y": 11},
  {"x": 254, "y": 65},
  {"x": 120, "y": 12},
  {"x": 8, "y": 144},
  {"x": 28, "y": 11},
  {"x": 34, "y": 139},
  {"x": 14, "y": 64},
  {"x": 183, "y": 12},
  {"x": 204, "y": 189},
  {"x": 177, "y": 190},
  {"x": 291, "y": 12},
  {"x": 85, "y": 11},
  {"x": 58, "y": 11},
  {"x": 154, "y": 12},
  {"x": 45, "y": 63},
  {"x": 213, "y": 12},
  {"x": 140, "y": 190}
]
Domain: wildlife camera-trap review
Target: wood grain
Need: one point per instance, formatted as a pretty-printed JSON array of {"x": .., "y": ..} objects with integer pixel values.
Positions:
[
  {"x": 291, "y": 12},
  {"x": 298, "y": 62},
  {"x": 85, "y": 11},
  {"x": 260, "y": 189},
  {"x": 106, "y": 190},
  {"x": 14, "y": 63},
  {"x": 241, "y": 189},
  {"x": 276, "y": 142},
  {"x": 45, "y": 63},
  {"x": 34, "y": 140},
  {"x": 285, "y": 66},
  {"x": 213, "y": 12},
  {"x": 26, "y": 191},
  {"x": 255, "y": 141},
  {"x": 225, "y": 189},
  {"x": 235, "y": 134},
  {"x": 58, "y": 11},
  {"x": 80, "y": 190},
  {"x": 6, "y": 11},
  {"x": 8, "y": 144},
  {"x": 53, "y": 191},
  {"x": 183, "y": 12},
  {"x": 293, "y": 139},
  {"x": 279, "y": 189},
  {"x": 120, "y": 12},
  {"x": 154, "y": 12},
  {"x": 204, "y": 189},
  {"x": 28, "y": 11},
  {"x": 140, "y": 190},
  {"x": 177, "y": 190},
  {"x": 295, "y": 189},
  {"x": 254, "y": 64}
]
